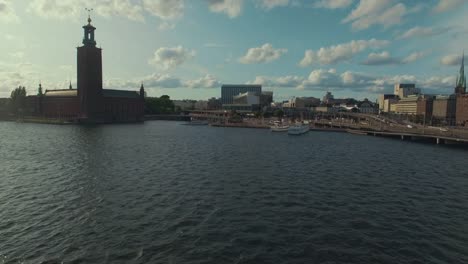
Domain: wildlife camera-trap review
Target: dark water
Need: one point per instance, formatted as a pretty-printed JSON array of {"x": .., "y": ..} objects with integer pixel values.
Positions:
[{"x": 160, "y": 192}]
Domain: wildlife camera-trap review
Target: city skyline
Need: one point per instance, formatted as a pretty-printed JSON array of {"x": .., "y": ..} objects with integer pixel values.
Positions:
[{"x": 187, "y": 50}]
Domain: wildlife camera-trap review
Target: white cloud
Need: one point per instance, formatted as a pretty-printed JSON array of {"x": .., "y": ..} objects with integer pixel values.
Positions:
[
  {"x": 7, "y": 12},
  {"x": 372, "y": 12},
  {"x": 451, "y": 60},
  {"x": 207, "y": 81},
  {"x": 332, "y": 4},
  {"x": 340, "y": 52},
  {"x": 232, "y": 8},
  {"x": 120, "y": 8},
  {"x": 413, "y": 57},
  {"x": 59, "y": 9},
  {"x": 26, "y": 74},
  {"x": 165, "y": 9},
  {"x": 170, "y": 57},
  {"x": 162, "y": 81},
  {"x": 263, "y": 54},
  {"x": 157, "y": 80},
  {"x": 384, "y": 58},
  {"x": 326, "y": 79},
  {"x": 166, "y": 26},
  {"x": 65, "y": 9},
  {"x": 422, "y": 32},
  {"x": 284, "y": 81},
  {"x": 447, "y": 5}
]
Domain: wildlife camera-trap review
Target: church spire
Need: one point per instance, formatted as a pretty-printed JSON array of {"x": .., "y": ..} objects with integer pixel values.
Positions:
[
  {"x": 39, "y": 90},
  {"x": 460, "y": 87},
  {"x": 461, "y": 80},
  {"x": 70, "y": 86},
  {"x": 142, "y": 91}
]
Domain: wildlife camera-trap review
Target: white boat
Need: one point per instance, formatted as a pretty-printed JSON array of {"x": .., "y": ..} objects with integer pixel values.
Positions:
[
  {"x": 298, "y": 129},
  {"x": 279, "y": 128}
]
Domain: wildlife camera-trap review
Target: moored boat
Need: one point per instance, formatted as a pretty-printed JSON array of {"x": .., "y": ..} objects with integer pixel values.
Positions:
[
  {"x": 279, "y": 128},
  {"x": 195, "y": 122},
  {"x": 298, "y": 129}
]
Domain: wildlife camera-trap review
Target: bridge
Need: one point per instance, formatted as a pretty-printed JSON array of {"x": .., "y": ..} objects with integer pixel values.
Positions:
[{"x": 379, "y": 126}]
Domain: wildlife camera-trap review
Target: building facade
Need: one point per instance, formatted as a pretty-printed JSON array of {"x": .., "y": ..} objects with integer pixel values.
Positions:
[
  {"x": 406, "y": 106},
  {"x": 228, "y": 91},
  {"x": 403, "y": 90},
  {"x": 444, "y": 109},
  {"x": 385, "y": 100}
]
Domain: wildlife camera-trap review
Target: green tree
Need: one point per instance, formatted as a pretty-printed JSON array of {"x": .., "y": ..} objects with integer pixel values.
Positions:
[
  {"x": 18, "y": 99},
  {"x": 159, "y": 105},
  {"x": 278, "y": 113}
]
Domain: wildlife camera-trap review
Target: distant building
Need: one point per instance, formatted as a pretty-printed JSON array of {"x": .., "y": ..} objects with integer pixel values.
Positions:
[
  {"x": 444, "y": 109},
  {"x": 327, "y": 98},
  {"x": 248, "y": 101},
  {"x": 214, "y": 104},
  {"x": 266, "y": 98},
  {"x": 89, "y": 103},
  {"x": 184, "y": 105},
  {"x": 228, "y": 91},
  {"x": 462, "y": 110},
  {"x": 403, "y": 90},
  {"x": 201, "y": 105},
  {"x": 425, "y": 106},
  {"x": 406, "y": 105},
  {"x": 302, "y": 102},
  {"x": 462, "y": 97},
  {"x": 385, "y": 100},
  {"x": 367, "y": 107},
  {"x": 324, "y": 109},
  {"x": 247, "y": 98}
]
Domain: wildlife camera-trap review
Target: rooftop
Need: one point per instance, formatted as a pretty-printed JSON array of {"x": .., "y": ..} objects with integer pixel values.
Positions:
[
  {"x": 120, "y": 93},
  {"x": 61, "y": 93}
]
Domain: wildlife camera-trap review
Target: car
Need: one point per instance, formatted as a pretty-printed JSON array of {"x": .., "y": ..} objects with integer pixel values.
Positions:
[{"x": 409, "y": 126}]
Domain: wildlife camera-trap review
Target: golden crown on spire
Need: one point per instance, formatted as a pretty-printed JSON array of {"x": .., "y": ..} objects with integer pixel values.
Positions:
[{"x": 89, "y": 14}]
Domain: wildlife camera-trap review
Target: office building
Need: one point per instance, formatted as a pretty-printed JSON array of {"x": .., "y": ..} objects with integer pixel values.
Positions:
[
  {"x": 403, "y": 90},
  {"x": 228, "y": 91}
]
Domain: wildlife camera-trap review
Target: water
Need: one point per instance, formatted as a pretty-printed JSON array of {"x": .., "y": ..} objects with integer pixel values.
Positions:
[{"x": 160, "y": 192}]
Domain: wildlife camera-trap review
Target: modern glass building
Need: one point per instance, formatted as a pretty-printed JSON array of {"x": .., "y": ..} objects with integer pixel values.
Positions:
[{"x": 228, "y": 91}]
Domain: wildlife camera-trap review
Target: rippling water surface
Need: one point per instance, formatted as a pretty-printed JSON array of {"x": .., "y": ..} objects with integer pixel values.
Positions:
[{"x": 161, "y": 192}]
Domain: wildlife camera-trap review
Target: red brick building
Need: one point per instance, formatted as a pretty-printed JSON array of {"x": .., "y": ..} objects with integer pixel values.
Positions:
[{"x": 89, "y": 103}]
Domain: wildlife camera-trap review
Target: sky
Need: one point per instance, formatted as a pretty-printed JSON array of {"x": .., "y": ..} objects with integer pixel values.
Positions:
[{"x": 188, "y": 48}]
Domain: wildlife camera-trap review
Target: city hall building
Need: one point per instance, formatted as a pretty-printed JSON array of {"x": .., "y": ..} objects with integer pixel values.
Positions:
[{"x": 89, "y": 103}]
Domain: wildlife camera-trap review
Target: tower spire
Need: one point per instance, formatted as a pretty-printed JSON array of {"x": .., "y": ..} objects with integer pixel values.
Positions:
[
  {"x": 460, "y": 86},
  {"x": 88, "y": 39},
  {"x": 89, "y": 15},
  {"x": 39, "y": 90},
  {"x": 461, "y": 75}
]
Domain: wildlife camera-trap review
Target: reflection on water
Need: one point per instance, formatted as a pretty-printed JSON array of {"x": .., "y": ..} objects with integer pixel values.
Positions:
[{"x": 160, "y": 192}]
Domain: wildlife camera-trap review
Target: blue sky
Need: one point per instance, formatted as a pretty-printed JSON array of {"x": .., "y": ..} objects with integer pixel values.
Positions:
[{"x": 187, "y": 49}]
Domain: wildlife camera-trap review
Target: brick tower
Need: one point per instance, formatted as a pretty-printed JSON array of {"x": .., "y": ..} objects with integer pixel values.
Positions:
[{"x": 89, "y": 76}]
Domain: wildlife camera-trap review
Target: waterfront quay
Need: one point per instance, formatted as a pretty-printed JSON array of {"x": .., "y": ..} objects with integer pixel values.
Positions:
[{"x": 355, "y": 123}]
